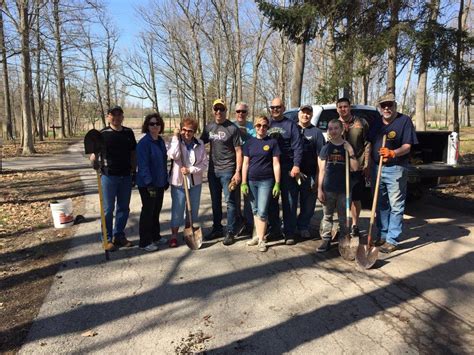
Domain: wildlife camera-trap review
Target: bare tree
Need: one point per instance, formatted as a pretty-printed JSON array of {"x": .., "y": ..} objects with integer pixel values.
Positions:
[{"x": 8, "y": 127}]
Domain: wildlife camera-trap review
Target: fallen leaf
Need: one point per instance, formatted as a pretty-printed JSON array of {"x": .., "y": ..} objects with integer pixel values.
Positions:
[{"x": 89, "y": 333}]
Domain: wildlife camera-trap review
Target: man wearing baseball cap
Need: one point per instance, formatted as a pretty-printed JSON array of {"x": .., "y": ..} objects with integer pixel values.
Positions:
[
  {"x": 400, "y": 133},
  {"x": 225, "y": 164},
  {"x": 313, "y": 141},
  {"x": 117, "y": 175}
]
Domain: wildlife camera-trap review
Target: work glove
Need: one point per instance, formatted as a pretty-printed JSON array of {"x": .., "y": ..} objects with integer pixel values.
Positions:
[
  {"x": 386, "y": 154},
  {"x": 276, "y": 190},
  {"x": 134, "y": 179},
  {"x": 95, "y": 164},
  {"x": 151, "y": 191},
  {"x": 244, "y": 188}
]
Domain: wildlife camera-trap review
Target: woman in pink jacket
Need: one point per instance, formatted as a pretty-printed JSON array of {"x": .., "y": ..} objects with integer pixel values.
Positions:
[{"x": 190, "y": 166}]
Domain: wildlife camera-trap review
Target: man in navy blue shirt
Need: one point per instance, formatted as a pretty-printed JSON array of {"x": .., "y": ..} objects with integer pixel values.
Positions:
[
  {"x": 286, "y": 132},
  {"x": 393, "y": 184},
  {"x": 313, "y": 141}
]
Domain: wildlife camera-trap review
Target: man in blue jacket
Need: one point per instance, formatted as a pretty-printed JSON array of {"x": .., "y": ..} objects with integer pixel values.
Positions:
[
  {"x": 313, "y": 141},
  {"x": 286, "y": 132}
]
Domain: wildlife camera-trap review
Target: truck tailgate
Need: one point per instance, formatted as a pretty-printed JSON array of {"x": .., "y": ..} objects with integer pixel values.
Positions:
[{"x": 440, "y": 169}]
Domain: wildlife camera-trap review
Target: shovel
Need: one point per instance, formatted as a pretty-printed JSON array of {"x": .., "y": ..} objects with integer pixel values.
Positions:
[
  {"x": 94, "y": 143},
  {"x": 347, "y": 245},
  {"x": 367, "y": 254},
  {"x": 192, "y": 235}
]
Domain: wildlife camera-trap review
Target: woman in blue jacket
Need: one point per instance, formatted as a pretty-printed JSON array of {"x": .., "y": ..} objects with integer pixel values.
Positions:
[{"x": 152, "y": 180}]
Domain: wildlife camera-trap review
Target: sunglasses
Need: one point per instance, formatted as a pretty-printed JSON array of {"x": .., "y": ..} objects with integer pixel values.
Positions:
[
  {"x": 264, "y": 126},
  {"x": 154, "y": 124},
  {"x": 241, "y": 111},
  {"x": 187, "y": 130},
  {"x": 385, "y": 105},
  {"x": 221, "y": 109},
  {"x": 275, "y": 107}
]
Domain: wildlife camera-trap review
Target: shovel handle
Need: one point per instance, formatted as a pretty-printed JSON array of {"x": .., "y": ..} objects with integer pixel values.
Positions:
[
  {"x": 186, "y": 187},
  {"x": 376, "y": 192},
  {"x": 348, "y": 193}
]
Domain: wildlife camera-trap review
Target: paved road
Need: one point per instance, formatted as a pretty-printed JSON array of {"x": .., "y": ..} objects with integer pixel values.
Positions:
[{"x": 235, "y": 299}]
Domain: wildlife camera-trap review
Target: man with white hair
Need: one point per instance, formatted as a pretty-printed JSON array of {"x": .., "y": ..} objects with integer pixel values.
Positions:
[{"x": 400, "y": 133}]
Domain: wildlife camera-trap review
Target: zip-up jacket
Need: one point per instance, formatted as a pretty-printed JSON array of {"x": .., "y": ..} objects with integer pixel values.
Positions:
[
  {"x": 287, "y": 134},
  {"x": 151, "y": 161}
]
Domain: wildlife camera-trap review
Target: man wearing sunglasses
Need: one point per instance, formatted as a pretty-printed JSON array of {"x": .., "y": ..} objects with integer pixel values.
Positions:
[
  {"x": 246, "y": 131},
  {"x": 225, "y": 164},
  {"x": 313, "y": 141},
  {"x": 400, "y": 133},
  {"x": 286, "y": 132}
]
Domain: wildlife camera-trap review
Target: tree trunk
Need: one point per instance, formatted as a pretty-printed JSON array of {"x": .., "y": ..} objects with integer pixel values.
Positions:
[
  {"x": 393, "y": 49},
  {"x": 59, "y": 69},
  {"x": 366, "y": 81},
  {"x": 239, "y": 51},
  {"x": 8, "y": 127},
  {"x": 282, "y": 75},
  {"x": 457, "y": 68},
  {"x": 298, "y": 71},
  {"x": 38, "y": 75},
  {"x": 407, "y": 85},
  {"x": 27, "y": 136},
  {"x": 423, "y": 72}
]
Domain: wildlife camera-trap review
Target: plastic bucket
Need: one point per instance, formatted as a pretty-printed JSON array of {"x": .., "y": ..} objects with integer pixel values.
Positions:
[{"x": 62, "y": 213}]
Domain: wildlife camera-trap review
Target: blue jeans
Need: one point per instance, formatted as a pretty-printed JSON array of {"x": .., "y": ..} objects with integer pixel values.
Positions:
[
  {"x": 391, "y": 202},
  {"x": 260, "y": 193},
  {"x": 307, "y": 203},
  {"x": 116, "y": 189},
  {"x": 218, "y": 183},
  {"x": 178, "y": 204},
  {"x": 289, "y": 203},
  {"x": 247, "y": 216}
]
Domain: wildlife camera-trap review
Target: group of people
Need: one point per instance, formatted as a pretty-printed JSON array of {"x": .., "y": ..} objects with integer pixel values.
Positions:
[{"x": 258, "y": 162}]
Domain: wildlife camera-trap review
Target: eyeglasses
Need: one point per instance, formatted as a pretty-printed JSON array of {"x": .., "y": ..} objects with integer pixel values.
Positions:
[
  {"x": 275, "y": 107},
  {"x": 385, "y": 105},
  {"x": 154, "y": 124},
  {"x": 241, "y": 111},
  {"x": 187, "y": 130},
  {"x": 221, "y": 109},
  {"x": 264, "y": 126}
]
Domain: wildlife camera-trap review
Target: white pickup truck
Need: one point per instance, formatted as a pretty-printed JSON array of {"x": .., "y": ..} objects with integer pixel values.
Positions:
[{"x": 434, "y": 156}]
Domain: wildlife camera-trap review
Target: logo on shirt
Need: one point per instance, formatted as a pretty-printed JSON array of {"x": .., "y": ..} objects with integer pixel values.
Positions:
[
  {"x": 266, "y": 147},
  {"x": 276, "y": 132},
  {"x": 219, "y": 136},
  {"x": 391, "y": 134},
  {"x": 309, "y": 138}
]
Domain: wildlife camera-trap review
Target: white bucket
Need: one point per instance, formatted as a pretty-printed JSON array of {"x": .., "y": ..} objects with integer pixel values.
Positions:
[{"x": 62, "y": 213}]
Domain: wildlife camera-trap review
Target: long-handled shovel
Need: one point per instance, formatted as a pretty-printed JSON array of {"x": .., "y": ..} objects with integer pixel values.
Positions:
[
  {"x": 368, "y": 254},
  {"x": 94, "y": 143},
  {"x": 347, "y": 245},
  {"x": 192, "y": 235}
]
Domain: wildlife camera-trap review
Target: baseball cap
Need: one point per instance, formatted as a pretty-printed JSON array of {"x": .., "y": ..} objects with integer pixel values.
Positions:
[
  {"x": 308, "y": 107},
  {"x": 115, "y": 108},
  {"x": 388, "y": 97},
  {"x": 219, "y": 102}
]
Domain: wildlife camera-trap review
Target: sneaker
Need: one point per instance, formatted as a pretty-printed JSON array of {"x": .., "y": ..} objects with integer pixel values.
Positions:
[
  {"x": 355, "y": 232},
  {"x": 325, "y": 246},
  {"x": 305, "y": 234},
  {"x": 388, "y": 248},
  {"x": 122, "y": 242},
  {"x": 290, "y": 241},
  {"x": 150, "y": 247},
  {"x": 173, "y": 243},
  {"x": 262, "y": 246},
  {"x": 110, "y": 247},
  {"x": 252, "y": 242},
  {"x": 161, "y": 241},
  {"x": 214, "y": 234},
  {"x": 229, "y": 239}
]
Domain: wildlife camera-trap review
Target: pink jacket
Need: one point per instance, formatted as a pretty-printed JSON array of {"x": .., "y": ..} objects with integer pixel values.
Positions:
[{"x": 195, "y": 160}]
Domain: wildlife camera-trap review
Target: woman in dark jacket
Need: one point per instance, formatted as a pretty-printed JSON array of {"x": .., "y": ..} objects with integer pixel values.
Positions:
[{"x": 152, "y": 180}]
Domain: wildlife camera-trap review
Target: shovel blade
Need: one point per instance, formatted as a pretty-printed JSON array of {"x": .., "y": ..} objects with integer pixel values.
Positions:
[
  {"x": 193, "y": 237},
  {"x": 347, "y": 247},
  {"x": 367, "y": 255}
]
